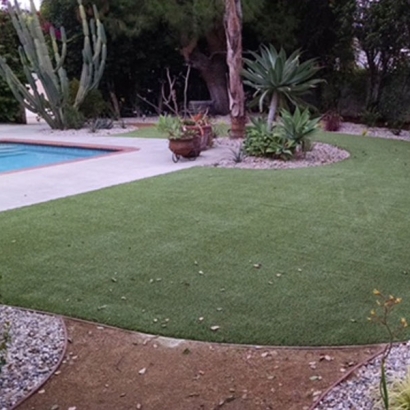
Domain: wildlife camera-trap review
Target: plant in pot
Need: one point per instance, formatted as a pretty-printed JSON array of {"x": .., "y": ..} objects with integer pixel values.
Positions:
[
  {"x": 332, "y": 121},
  {"x": 201, "y": 124},
  {"x": 183, "y": 142}
]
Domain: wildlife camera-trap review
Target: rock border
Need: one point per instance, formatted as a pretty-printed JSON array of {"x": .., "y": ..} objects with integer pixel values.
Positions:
[
  {"x": 37, "y": 346},
  {"x": 321, "y": 154}
]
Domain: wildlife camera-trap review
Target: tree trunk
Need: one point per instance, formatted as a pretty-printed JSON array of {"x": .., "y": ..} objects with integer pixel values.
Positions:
[
  {"x": 233, "y": 30},
  {"x": 272, "y": 110},
  {"x": 212, "y": 67}
]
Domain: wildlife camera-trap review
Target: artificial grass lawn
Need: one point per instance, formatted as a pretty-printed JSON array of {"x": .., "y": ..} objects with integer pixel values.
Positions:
[
  {"x": 145, "y": 132},
  {"x": 131, "y": 255},
  {"x": 152, "y": 132}
]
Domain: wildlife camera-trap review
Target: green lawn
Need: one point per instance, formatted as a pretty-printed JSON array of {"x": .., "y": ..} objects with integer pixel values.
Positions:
[
  {"x": 132, "y": 255},
  {"x": 145, "y": 132},
  {"x": 152, "y": 132}
]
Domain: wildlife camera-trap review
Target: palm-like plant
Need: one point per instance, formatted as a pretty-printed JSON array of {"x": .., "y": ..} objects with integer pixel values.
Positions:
[
  {"x": 276, "y": 77},
  {"x": 298, "y": 126}
]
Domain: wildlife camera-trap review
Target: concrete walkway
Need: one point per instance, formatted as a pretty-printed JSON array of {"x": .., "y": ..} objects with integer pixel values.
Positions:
[{"x": 28, "y": 187}]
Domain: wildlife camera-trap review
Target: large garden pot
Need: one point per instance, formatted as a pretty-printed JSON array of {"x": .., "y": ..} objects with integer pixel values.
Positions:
[
  {"x": 185, "y": 147},
  {"x": 205, "y": 133}
]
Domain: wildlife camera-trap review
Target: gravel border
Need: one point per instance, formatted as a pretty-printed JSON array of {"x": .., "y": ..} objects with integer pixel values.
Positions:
[
  {"x": 361, "y": 389},
  {"x": 36, "y": 348},
  {"x": 321, "y": 154}
]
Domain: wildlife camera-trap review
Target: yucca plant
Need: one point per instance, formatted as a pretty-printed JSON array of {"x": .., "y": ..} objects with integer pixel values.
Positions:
[
  {"x": 277, "y": 78},
  {"x": 298, "y": 126}
]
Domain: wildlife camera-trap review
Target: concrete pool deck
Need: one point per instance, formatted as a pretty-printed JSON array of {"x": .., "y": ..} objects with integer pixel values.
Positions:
[{"x": 33, "y": 186}]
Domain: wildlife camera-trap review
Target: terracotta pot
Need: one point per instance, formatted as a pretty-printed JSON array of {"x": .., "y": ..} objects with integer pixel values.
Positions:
[
  {"x": 205, "y": 133},
  {"x": 187, "y": 148}
]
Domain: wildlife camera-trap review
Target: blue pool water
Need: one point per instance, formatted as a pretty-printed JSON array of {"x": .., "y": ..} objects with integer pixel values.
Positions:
[{"x": 16, "y": 156}]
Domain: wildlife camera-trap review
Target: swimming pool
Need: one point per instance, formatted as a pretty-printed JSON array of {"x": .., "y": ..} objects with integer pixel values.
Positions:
[{"x": 18, "y": 156}]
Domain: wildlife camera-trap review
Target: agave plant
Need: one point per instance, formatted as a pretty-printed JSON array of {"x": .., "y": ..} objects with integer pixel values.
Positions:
[
  {"x": 298, "y": 126},
  {"x": 276, "y": 77}
]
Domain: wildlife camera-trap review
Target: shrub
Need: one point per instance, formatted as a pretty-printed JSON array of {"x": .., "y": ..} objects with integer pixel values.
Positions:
[
  {"x": 297, "y": 127},
  {"x": 100, "y": 124},
  {"x": 332, "y": 121},
  {"x": 395, "y": 100},
  {"x": 262, "y": 142},
  {"x": 93, "y": 105},
  {"x": 74, "y": 119},
  {"x": 371, "y": 117},
  {"x": 399, "y": 394},
  {"x": 10, "y": 109}
]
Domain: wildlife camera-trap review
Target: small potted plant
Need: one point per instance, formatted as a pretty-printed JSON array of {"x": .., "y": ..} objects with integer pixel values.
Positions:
[
  {"x": 202, "y": 125},
  {"x": 183, "y": 142},
  {"x": 332, "y": 121}
]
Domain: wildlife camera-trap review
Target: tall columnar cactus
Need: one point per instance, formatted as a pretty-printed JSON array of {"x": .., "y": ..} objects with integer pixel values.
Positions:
[{"x": 34, "y": 52}]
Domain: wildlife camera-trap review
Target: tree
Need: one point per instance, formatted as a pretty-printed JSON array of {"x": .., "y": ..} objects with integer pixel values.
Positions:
[
  {"x": 197, "y": 26},
  {"x": 10, "y": 110},
  {"x": 382, "y": 29},
  {"x": 233, "y": 30},
  {"x": 174, "y": 32},
  {"x": 279, "y": 79}
]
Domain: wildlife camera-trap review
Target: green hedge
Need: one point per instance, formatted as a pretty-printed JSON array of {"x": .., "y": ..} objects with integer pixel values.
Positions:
[{"x": 10, "y": 110}]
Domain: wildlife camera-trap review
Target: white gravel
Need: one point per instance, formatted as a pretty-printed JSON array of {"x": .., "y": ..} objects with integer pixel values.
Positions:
[
  {"x": 36, "y": 345},
  {"x": 116, "y": 130},
  {"x": 361, "y": 390},
  {"x": 321, "y": 154}
]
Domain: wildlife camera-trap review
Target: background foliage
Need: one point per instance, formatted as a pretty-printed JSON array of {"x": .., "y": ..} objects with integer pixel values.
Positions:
[{"x": 9, "y": 108}]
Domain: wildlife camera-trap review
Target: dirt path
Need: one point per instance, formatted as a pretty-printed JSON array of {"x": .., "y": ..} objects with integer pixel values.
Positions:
[{"x": 110, "y": 369}]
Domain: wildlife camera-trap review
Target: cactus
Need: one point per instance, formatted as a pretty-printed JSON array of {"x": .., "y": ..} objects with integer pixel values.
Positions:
[{"x": 54, "y": 106}]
